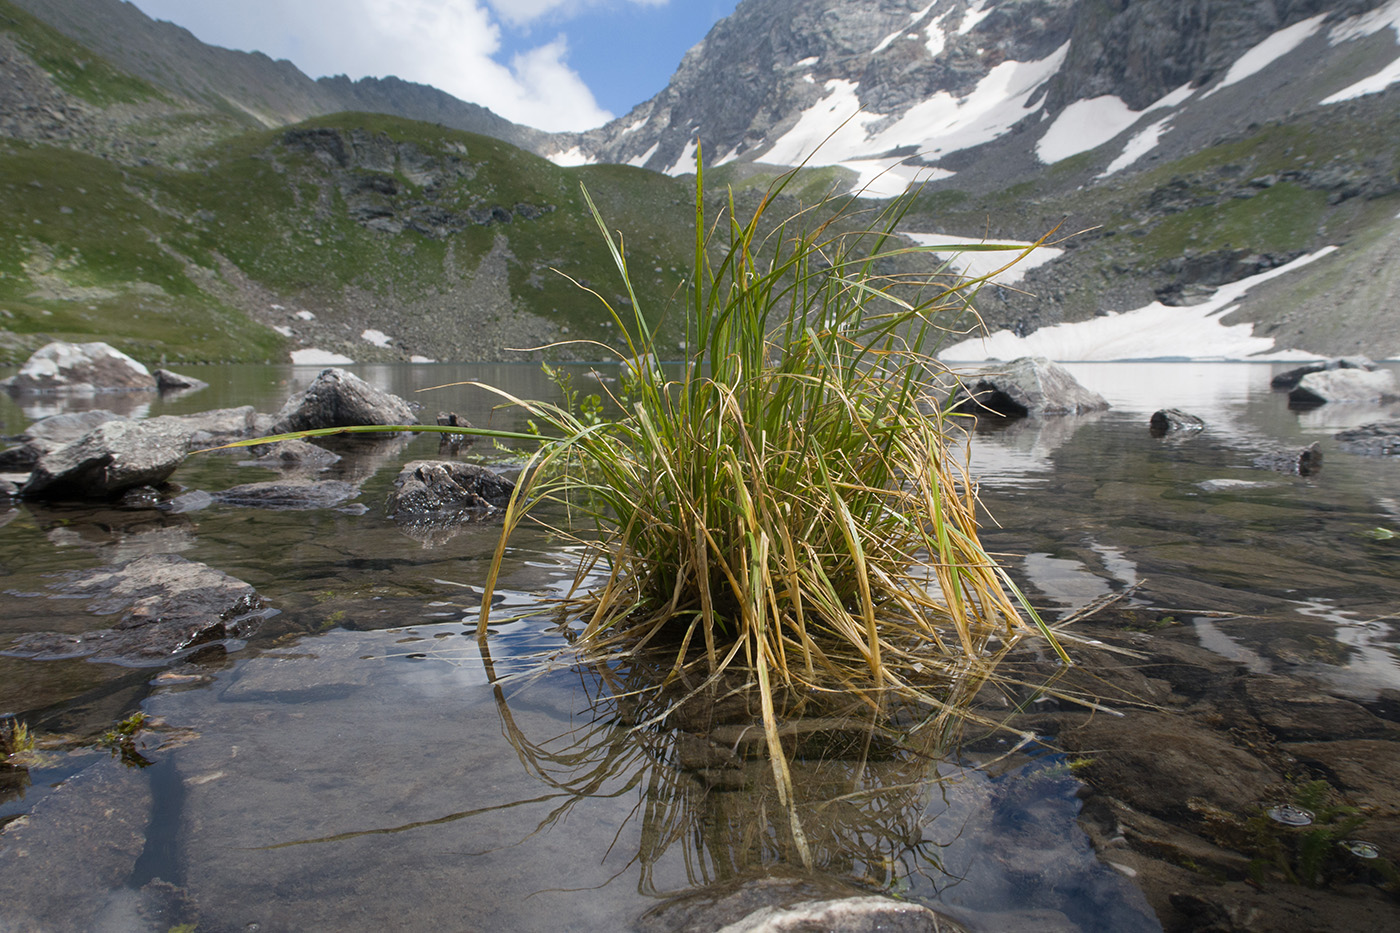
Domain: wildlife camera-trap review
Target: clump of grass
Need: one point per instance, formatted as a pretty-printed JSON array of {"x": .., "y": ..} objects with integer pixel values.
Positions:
[{"x": 794, "y": 500}]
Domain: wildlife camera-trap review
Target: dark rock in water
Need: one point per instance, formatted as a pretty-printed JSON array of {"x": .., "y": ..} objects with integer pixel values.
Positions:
[
  {"x": 1028, "y": 386},
  {"x": 79, "y": 369},
  {"x": 168, "y": 605},
  {"x": 778, "y": 904},
  {"x": 80, "y": 843},
  {"x": 166, "y": 381},
  {"x": 1381, "y": 439},
  {"x": 1304, "y": 462},
  {"x": 292, "y": 456},
  {"x": 339, "y": 399},
  {"x": 289, "y": 496},
  {"x": 112, "y": 457},
  {"x": 1173, "y": 420},
  {"x": 1342, "y": 385},
  {"x": 1288, "y": 380},
  {"x": 451, "y": 443},
  {"x": 430, "y": 488}
]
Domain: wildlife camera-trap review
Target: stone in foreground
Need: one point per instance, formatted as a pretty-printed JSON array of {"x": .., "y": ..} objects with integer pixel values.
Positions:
[
  {"x": 106, "y": 461},
  {"x": 79, "y": 369},
  {"x": 339, "y": 399},
  {"x": 1028, "y": 386}
]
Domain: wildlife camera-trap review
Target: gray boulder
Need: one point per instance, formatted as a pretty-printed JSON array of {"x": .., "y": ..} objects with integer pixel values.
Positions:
[
  {"x": 1291, "y": 378},
  {"x": 434, "y": 488},
  {"x": 338, "y": 399},
  {"x": 167, "y": 606},
  {"x": 112, "y": 457},
  {"x": 208, "y": 428},
  {"x": 1342, "y": 385},
  {"x": 289, "y": 496},
  {"x": 79, "y": 369},
  {"x": 1173, "y": 421},
  {"x": 1028, "y": 386}
]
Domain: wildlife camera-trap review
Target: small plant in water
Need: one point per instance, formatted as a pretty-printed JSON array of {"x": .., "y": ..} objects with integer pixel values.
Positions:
[
  {"x": 15, "y": 739},
  {"x": 121, "y": 740}
]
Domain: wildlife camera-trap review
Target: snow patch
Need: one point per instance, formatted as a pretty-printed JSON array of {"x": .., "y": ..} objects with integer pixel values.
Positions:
[
  {"x": 1154, "y": 331},
  {"x": 645, "y": 157},
  {"x": 376, "y": 337},
  {"x": 974, "y": 15},
  {"x": 314, "y": 357},
  {"x": 836, "y": 131},
  {"x": 937, "y": 36},
  {"x": 1376, "y": 83},
  {"x": 890, "y": 178},
  {"x": 284, "y": 331},
  {"x": 974, "y": 265},
  {"x": 1267, "y": 52},
  {"x": 1088, "y": 124},
  {"x": 729, "y": 156},
  {"x": 806, "y": 62},
  {"x": 632, "y": 128},
  {"x": 686, "y": 163},
  {"x": 570, "y": 158},
  {"x": 1367, "y": 24},
  {"x": 1140, "y": 145},
  {"x": 1085, "y": 125},
  {"x": 421, "y": 359},
  {"x": 305, "y": 316}
]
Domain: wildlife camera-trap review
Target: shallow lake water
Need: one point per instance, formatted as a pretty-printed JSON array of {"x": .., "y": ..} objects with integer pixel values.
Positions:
[{"x": 359, "y": 764}]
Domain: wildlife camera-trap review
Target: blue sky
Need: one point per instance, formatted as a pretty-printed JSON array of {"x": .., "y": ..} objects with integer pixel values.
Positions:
[{"x": 552, "y": 64}]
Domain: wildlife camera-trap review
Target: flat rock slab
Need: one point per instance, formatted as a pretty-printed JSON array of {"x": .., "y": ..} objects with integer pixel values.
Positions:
[
  {"x": 167, "y": 606},
  {"x": 289, "y": 496},
  {"x": 1028, "y": 386},
  {"x": 79, "y": 369},
  {"x": 1305, "y": 461},
  {"x": 80, "y": 843},
  {"x": 338, "y": 399},
  {"x": 1291, "y": 378}
]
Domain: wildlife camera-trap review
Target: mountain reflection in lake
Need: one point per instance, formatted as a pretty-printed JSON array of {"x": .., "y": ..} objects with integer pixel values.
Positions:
[{"x": 359, "y": 764}]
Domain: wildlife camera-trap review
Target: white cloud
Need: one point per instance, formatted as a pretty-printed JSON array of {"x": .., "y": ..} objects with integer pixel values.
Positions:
[{"x": 449, "y": 44}]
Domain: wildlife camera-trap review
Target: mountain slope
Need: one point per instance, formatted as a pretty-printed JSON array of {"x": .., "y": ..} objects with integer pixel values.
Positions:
[
  {"x": 1203, "y": 140},
  {"x": 250, "y": 87}
]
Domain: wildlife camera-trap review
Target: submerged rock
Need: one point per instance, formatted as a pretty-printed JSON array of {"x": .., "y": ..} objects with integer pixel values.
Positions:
[
  {"x": 79, "y": 369},
  {"x": 292, "y": 456},
  {"x": 289, "y": 496},
  {"x": 1173, "y": 420},
  {"x": 1303, "y": 462},
  {"x": 1292, "y": 377},
  {"x": 437, "y": 488},
  {"x": 338, "y": 399},
  {"x": 1342, "y": 385},
  {"x": 792, "y": 904},
  {"x": 1028, "y": 386},
  {"x": 168, "y": 605},
  {"x": 1381, "y": 439}
]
